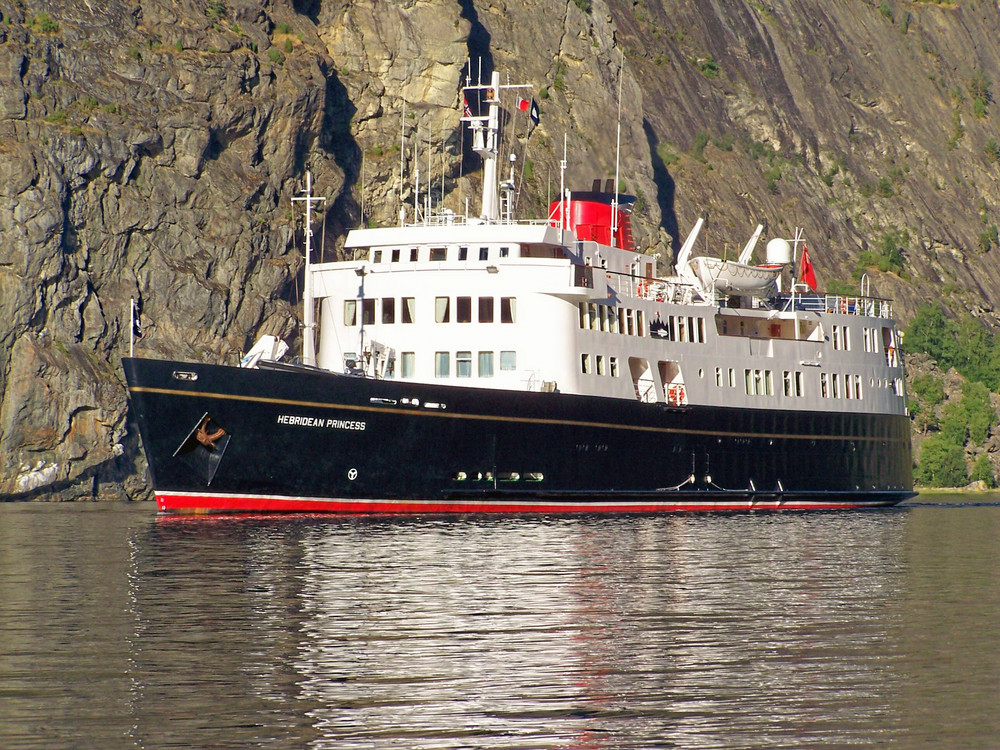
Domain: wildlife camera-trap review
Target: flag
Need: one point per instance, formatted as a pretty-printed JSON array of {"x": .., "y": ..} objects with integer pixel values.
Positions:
[
  {"x": 136, "y": 318},
  {"x": 534, "y": 114},
  {"x": 466, "y": 112},
  {"x": 807, "y": 275},
  {"x": 523, "y": 104}
]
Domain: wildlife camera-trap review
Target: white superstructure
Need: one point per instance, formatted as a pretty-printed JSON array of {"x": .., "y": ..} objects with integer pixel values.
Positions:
[{"x": 491, "y": 302}]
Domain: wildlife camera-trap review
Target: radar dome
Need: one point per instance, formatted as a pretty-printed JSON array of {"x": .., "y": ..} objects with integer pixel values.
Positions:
[{"x": 779, "y": 252}]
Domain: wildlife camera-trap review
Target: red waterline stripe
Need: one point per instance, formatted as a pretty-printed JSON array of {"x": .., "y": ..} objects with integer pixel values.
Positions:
[{"x": 195, "y": 504}]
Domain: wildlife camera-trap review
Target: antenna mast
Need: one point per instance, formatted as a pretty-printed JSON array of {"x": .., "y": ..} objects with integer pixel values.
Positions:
[{"x": 308, "y": 314}]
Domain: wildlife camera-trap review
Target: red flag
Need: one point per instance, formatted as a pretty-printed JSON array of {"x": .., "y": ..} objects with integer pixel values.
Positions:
[
  {"x": 807, "y": 275},
  {"x": 523, "y": 104}
]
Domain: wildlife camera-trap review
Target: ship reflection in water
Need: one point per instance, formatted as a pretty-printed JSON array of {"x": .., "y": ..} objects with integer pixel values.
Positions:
[
  {"x": 599, "y": 632},
  {"x": 750, "y": 630}
]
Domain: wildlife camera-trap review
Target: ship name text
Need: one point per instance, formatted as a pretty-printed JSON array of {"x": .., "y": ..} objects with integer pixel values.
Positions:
[{"x": 327, "y": 422}]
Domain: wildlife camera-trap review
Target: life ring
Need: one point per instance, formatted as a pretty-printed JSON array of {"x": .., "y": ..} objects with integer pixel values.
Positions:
[
  {"x": 891, "y": 352},
  {"x": 843, "y": 306},
  {"x": 680, "y": 394},
  {"x": 642, "y": 289}
]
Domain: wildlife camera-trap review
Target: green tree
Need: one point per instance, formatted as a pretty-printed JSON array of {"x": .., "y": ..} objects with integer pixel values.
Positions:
[
  {"x": 982, "y": 471},
  {"x": 979, "y": 414},
  {"x": 942, "y": 464},
  {"x": 931, "y": 332},
  {"x": 929, "y": 388}
]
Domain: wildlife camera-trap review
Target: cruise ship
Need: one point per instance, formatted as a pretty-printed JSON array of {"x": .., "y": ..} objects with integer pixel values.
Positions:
[{"x": 485, "y": 364}]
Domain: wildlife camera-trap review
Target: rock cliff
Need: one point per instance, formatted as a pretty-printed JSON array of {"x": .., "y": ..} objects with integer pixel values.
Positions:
[{"x": 150, "y": 149}]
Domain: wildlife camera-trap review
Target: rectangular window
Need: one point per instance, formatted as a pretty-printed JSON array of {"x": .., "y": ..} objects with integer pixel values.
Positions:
[
  {"x": 442, "y": 365},
  {"x": 836, "y": 337},
  {"x": 612, "y": 320},
  {"x": 613, "y": 362},
  {"x": 350, "y": 312},
  {"x": 406, "y": 365},
  {"x": 640, "y": 323},
  {"x": 504, "y": 252},
  {"x": 463, "y": 253},
  {"x": 485, "y": 309},
  {"x": 718, "y": 377},
  {"x": 583, "y": 316},
  {"x": 486, "y": 364},
  {"x": 857, "y": 386},
  {"x": 585, "y": 363},
  {"x": 786, "y": 381},
  {"x": 748, "y": 381},
  {"x": 847, "y": 338},
  {"x": 701, "y": 330},
  {"x": 798, "y": 383},
  {"x": 508, "y": 309},
  {"x": 463, "y": 364},
  {"x": 768, "y": 383},
  {"x": 732, "y": 378},
  {"x": 602, "y": 317},
  {"x": 681, "y": 329},
  {"x": 600, "y": 364},
  {"x": 630, "y": 322},
  {"x": 442, "y": 309},
  {"x": 463, "y": 309},
  {"x": 758, "y": 382},
  {"x": 484, "y": 253},
  {"x": 367, "y": 312},
  {"x": 824, "y": 385},
  {"x": 866, "y": 335},
  {"x": 376, "y": 256},
  {"x": 413, "y": 254},
  {"x": 836, "y": 385},
  {"x": 388, "y": 310},
  {"x": 395, "y": 255},
  {"x": 439, "y": 253},
  {"x": 592, "y": 316},
  {"x": 409, "y": 305},
  {"x": 508, "y": 361}
]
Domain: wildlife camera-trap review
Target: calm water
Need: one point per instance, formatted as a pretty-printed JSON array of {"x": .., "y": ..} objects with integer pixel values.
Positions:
[{"x": 121, "y": 629}]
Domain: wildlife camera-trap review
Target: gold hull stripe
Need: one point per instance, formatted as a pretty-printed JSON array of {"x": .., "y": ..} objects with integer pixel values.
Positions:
[{"x": 491, "y": 418}]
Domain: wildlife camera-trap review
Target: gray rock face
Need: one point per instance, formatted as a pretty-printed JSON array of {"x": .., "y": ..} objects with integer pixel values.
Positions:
[{"x": 150, "y": 150}]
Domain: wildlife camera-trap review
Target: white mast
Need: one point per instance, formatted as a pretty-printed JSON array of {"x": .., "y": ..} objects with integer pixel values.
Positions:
[
  {"x": 618, "y": 151},
  {"x": 308, "y": 323},
  {"x": 489, "y": 150}
]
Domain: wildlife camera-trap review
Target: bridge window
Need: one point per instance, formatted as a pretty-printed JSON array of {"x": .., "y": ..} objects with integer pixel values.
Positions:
[
  {"x": 508, "y": 361},
  {"x": 350, "y": 312},
  {"x": 485, "y": 309},
  {"x": 439, "y": 253},
  {"x": 508, "y": 309},
  {"x": 463, "y": 253},
  {"x": 388, "y": 310},
  {"x": 413, "y": 254},
  {"x": 408, "y": 308},
  {"x": 463, "y": 364},
  {"x": 463, "y": 309},
  {"x": 442, "y": 309},
  {"x": 484, "y": 253},
  {"x": 367, "y": 312},
  {"x": 395, "y": 255}
]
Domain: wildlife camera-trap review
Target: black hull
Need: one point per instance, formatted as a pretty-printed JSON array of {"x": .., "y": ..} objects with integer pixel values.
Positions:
[{"x": 283, "y": 440}]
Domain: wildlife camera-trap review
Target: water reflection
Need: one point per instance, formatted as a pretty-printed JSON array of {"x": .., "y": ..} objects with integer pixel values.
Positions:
[
  {"x": 695, "y": 632},
  {"x": 630, "y": 632}
]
